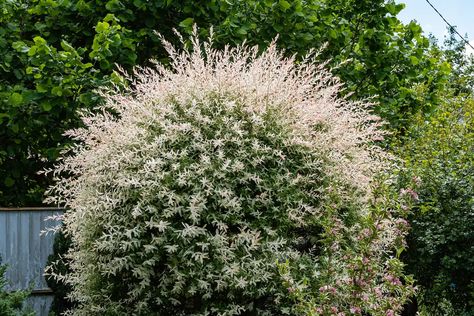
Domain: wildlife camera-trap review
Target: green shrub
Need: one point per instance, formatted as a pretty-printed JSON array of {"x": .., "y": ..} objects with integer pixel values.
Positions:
[
  {"x": 11, "y": 303},
  {"x": 441, "y": 252},
  {"x": 371, "y": 280},
  {"x": 56, "y": 263},
  {"x": 209, "y": 173}
]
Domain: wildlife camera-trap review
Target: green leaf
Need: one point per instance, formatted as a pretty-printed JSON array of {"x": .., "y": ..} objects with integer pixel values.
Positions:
[
  {"x": 57, "y": 91},
  {"x": 67, "y": 47},
  {"x": 52, "y": 153},
  {"x": 32, "y": 51},
  {"x": 102, "y": 27},
  {"x": 110, "y": 17},
  {"x": 394, "y": 9},
  {"x": 307, "y": 37},
  {"x": 285, "y": 5},
  {"x": 445, "y": 67},
  {"x": 39, "y": 40},
  {"x": 15, "y": 99},
  {"x": 414, "y": 27},
  {"x": 9, "y": 182},
  {"x": 46, "y": 106},
  {"x": 20, "y": 46},
  {"x": 15, "y": 128},
  {"x": 41, "y": 87},
  {"x": 30, "y": 95},
  {"x": 241, "y": 31},
  {"x": 414, "y": 60},
  {"x": 187, "y": 23}
]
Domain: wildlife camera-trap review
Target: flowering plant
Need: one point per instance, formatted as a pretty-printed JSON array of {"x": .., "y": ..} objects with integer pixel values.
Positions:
[{"x": 187, "y": 187}]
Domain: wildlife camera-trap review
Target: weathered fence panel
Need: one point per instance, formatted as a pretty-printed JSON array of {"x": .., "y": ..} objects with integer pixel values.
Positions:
[{"x": 25, "y": 250}]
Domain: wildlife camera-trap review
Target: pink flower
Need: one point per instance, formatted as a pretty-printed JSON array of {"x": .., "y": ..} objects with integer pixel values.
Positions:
[
  {"x": 356, "y": 310},
  {"x": 416, "y": 180},
  {"x": 413, "y": 194},
  {"x": 402, "y": 222},
  {"x": 378, "y": 292},
  {"x": 393, "y": 280},
  {"x": 390, "y": 313},
  {"x": 410, "y": 192},
  {"x": 327, "y": 288},
  {"x": 361, "y": 282}
]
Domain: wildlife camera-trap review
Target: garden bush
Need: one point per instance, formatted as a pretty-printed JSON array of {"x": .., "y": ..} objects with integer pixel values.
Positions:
[
  {"x": 56, "y": 262},
  {"x": 441, "y": 242},
  {"x": 222, "y": 185},
  {"x": 11, "y": 303}
]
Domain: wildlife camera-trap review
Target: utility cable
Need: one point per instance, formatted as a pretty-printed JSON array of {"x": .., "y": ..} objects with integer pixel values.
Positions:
[{"x": 449, "y": 24}]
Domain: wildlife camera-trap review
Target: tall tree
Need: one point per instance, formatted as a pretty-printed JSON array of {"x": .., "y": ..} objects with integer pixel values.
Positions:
[{"x": 56, "y": 52}]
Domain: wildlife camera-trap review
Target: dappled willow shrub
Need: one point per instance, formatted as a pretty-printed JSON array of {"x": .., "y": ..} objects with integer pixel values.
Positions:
[{"x": 206, "y": 175}]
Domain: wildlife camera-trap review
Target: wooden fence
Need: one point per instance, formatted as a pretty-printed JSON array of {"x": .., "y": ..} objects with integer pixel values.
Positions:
[{"x": 25, "y": 251}]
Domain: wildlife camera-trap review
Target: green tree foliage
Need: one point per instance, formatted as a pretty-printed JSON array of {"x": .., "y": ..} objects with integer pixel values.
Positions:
[
  {"x": 461, "y": 79},
  {"x": 441, "y": 247},
  {"x": 56, "y": 52},
  {"x": 42, "y": 85}
]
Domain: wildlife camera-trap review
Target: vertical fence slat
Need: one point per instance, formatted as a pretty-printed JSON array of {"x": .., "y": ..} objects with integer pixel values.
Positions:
[
  {"x": 3, "y": 234},
  {"x": 25, "y": 251}
]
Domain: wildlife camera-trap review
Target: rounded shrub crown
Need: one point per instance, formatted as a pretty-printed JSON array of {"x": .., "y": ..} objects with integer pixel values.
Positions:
[{"x": 207, "y": 174}]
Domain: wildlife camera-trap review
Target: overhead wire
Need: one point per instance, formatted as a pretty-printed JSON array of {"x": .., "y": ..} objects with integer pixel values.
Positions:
[{"x": 451, "y": 27}]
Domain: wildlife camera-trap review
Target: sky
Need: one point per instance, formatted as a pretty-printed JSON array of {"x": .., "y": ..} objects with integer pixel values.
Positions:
[{"x": 459, "y": 13}]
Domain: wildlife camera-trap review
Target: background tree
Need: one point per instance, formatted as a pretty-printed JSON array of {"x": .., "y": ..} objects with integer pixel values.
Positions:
[
  {"x": 440, "y": 245},
  {"x": 55, "y": 53},
  {"x": 438, "y": 151},
  {"x": 461, "y": 79}
]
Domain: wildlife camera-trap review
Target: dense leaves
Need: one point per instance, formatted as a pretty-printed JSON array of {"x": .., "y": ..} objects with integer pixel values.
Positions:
[
  {"x": 55, "y": 52},
  {"x": 214, "y": 171},
  {"x": 41, "y": 87},
  {"x": 60, "y": 302},
  {"x": 441, "y": 248}
]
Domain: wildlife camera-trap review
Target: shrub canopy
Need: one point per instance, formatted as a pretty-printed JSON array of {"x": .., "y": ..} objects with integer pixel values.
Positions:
[
  {"x": 11, "y": 302},
  {"x": 441, "y": 251},
  {"x": 187, "y": 188}
]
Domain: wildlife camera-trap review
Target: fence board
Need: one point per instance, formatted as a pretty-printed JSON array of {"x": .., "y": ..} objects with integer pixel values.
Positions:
[{"x": 26, "y": 251}]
